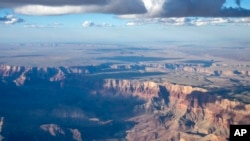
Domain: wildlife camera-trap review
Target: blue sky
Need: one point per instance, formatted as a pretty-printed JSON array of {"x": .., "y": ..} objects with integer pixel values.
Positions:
[
  {"x": 244, "y": 3},
  {"x": 124, "y": 21}
]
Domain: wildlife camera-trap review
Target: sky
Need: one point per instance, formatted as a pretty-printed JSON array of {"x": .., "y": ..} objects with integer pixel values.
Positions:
[{"x": 124, "y": 21}]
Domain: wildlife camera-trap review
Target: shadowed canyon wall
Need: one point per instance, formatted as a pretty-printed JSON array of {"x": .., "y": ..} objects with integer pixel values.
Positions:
[{"x": 140, "y": 110}]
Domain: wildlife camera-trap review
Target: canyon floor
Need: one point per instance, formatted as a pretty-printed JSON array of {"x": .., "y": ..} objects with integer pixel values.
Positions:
[{"x": 94, "y": 92}]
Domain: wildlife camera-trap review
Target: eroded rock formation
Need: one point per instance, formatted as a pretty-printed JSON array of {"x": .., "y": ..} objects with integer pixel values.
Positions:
[
  {"x": 193, "y": 116},
  {"x": 168, "y": 112},
  {"x": 176, "y": 112},
  {"x": 55, "y": 130}
]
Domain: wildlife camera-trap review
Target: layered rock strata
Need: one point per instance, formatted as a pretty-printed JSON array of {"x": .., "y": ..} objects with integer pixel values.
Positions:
[{"x": 169, "y": 112}]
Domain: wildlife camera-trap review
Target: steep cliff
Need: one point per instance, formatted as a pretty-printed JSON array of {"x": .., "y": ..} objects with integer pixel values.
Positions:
[
  {"x": 187, "y": 113},
  {"x": 20, "y": 74},
  {"x": 168, "y": 112},
  {"x": 177, "y": 112},
  {"x": 145, "y": 90}
]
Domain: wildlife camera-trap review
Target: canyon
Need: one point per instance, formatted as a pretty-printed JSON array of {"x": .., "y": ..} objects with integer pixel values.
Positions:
[{"x": 135, "y": 102}]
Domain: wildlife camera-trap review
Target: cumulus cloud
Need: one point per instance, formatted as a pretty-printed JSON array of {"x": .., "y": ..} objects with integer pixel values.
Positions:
[
  {"x": 191, "y": 8},
  {"x": 91, "y": 24},
  {"x": 191, "y": 21},
  {"x": 46, "y": 7},
  {"x": 183, "y": 8},
  {"x": 52, "y": 10},
  {"x": 154, "y": 7},
  {"x": 52, "y": 2},
  {"x": 140, "y": 8},
  {"x": 10, "y": 19},
  {"x": 87, "y": 24}
]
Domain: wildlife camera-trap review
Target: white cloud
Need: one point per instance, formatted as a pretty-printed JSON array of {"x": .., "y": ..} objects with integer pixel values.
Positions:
[
  {"x": 105, "y": 25},
  {"x": 128, "y": 8},
  {"x": 107, "y": 6},
  {"x": 54, "y": 25},
  {"x": 220, "y": 21},
  {"x": 53, "y": 10},
  {"x": 10, "y": 19},
  {"x": 132, "y": 23},
  {"x": 91, "y": 24},
  {"x": 190, "y": 21},
  {"x": 154, "y": 7},
  {"x": 88, "y": 24}
]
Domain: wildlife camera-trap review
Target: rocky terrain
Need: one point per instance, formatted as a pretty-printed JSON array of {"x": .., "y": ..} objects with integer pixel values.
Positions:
[{"x": 137, "y": 101}]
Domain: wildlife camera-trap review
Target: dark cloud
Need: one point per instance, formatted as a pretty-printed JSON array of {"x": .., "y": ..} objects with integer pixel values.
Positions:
[
  {"x": 143, "y": 8},
  {"x": 183, "y": 8},
  {"x": 81, "y": 6},
  {"x": 234, "y": 12},
  {"x": 127, "y": 7},
  {"x": 10, "y": 19},
  {"x": 52, "y": 2},
  {"x": 238, "y": 2},
  {"x": 204, "y": 8}
]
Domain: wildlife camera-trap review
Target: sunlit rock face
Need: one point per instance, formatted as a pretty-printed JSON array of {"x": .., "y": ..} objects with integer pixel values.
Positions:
[
  {"x": 192, "y": 116},
  {"x": 67, "y": 103},
  {"x": 55, "y": 131},
  {"x": 176, "y": 112},
  {"x": 145, "y": 90}
]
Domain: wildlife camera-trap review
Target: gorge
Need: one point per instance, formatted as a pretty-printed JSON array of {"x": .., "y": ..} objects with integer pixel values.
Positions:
[{"x": 87, "y": 103}]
